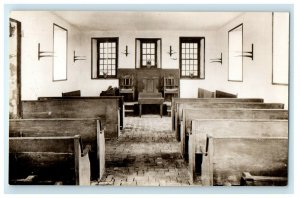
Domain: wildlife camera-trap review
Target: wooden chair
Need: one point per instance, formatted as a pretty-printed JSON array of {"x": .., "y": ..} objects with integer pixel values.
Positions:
[
  {"x": 127, "y": 85},
  {"x": 170, "y": 86}
]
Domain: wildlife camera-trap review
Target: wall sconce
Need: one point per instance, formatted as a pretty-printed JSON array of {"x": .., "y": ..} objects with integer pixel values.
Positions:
[
  {"x": 217, "y": 60},
  {"x": 76, "y": 58},
  {"x": 248, "y": 54},
  {"x": 42, "y": 54},
  {"x": 126, "y": 51},
  {"x": 171, "y": 51}
]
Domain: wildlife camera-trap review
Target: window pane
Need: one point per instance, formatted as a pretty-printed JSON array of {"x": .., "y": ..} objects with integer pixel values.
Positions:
[
  {"x": 60, "y": 49},
  {"x": 280, "y": 47},
  {"x": 235, "y": 66}
]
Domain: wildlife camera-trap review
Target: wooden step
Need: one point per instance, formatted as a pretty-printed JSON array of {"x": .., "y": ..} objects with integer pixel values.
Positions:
[
  {"x": 130, "y": 103},
  {"x": 129, "y": 110}
]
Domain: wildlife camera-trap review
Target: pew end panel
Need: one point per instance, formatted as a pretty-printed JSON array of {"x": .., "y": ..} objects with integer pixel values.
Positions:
[
  {"x": 100, "y": 149},
  {"x": 216, "y": 113},
  {"x": 203, "y": 93},
  {"x": 202, "y": 128},
  {"x": 231, "y": 156},
  {"x": 59, "y": 160},
  {"x": 252, "y": 180},
  {"x": 90, "y": 130}
]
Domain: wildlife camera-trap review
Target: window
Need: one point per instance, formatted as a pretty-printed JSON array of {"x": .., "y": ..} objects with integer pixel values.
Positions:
[
  {"x": 192, "y": 57},
  {"x": 235, "y": 50},
  {"x": 104, "y": 57},
  {"x": 60, "y": 38},
  {"x": 280, "y": 48},
  {"x": 107, "y": 57},
  {"x": 148, "y": 53}
]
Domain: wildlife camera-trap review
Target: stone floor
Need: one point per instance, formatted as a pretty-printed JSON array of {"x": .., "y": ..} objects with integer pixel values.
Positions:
[{"x": 146, "y": 154}]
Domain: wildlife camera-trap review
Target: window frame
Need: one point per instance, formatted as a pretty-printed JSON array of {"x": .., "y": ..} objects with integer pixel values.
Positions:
[
  {"x": 62, "y": 28},
  {"x": 198, "y": 41},
  {"x": 102, "y": 40},
  {"x": 274, "y": 80},
  {"x": 154, "y": 41},
  {"x": 241, "y": 53}
]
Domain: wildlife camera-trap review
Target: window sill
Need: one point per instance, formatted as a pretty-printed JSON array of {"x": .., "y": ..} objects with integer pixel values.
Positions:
[
  {"x": 107, "y": 78},
  {"x": 189, "y": 78}
]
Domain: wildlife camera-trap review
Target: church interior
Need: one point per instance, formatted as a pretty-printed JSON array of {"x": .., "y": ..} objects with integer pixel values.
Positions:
[{"x": 128, "y": 98}]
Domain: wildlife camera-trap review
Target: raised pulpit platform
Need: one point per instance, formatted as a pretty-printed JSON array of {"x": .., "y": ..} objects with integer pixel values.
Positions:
[{"x": 151, "y": 98}]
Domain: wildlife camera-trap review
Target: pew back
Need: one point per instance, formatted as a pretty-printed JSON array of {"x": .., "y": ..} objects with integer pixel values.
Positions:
[
  {"x": 89, "y": 130},
  {"x": 229, "y": 157},
  {"x": 119, "y": 98},
  {"x": 203, "y": 93},
  {"x": 106, "y": 109},
  {"x": 229, "y": 128},
  {"x": 223, "y": 94},
  {"x": 237, "y": 105},
  {"x": 60, "y": 159},
  {"x": 216, "y": 113},
  {"x": 176, "y": 101}
]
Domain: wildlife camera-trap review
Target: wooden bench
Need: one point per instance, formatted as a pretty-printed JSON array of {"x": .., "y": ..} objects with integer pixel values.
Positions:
[
  {"x": 216, "y": 113},
  {"x": 237, "y": 105},
  {"x": 253, "y": 180},
  {"x": 104, "y": 108},
  {"x": 229, "y": 157},
  {"x": 48, "y": 160},
  {"x": 223, "y": 94},
  {"x": 119, "y": 98},
  {"x": 201, "y": 128},
  {"x": 89, "y": 130},
  {"x": 176, "y": 101},
  {"x": 203, "y": 93},
  {"x": 71, "y": 94}
]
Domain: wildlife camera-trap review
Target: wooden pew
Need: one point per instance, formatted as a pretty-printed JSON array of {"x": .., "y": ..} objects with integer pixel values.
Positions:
[
  {"x": 120, "y": 99},
  {"x": 229, "y": 157},
  {"x": 71, "y": 94},
  {"x": 89, "y": 130},
  {"x": 48, "y": 160},
  {"x": 176, "y": 101},
  {"x": 203, "y": 93},
  {"x": 104, "y": 108},
  {"x": 201, "y": 128},
  {"x": 216, "y": 113},
  {"x": 254, "y": 180},
  {"x": 237, "y": 105},
  {"x": 222, "y": 94}
]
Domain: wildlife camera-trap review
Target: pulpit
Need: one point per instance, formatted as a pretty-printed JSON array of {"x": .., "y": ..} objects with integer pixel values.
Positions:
[{"x": 150, "y": 94}]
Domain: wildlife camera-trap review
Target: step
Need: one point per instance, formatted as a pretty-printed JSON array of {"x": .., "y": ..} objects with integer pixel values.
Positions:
[
  {"x": 130, "y": 103},
  {"x": 129, "y": 110},
  {"x": 169, "y": 104}
]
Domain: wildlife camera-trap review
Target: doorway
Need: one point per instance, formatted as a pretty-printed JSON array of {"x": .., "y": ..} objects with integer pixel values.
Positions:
[{"x": 14, "y": 69}]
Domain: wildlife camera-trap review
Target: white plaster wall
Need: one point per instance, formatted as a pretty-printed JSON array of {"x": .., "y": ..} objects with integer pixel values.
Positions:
[
  {"x": 257, "y": 74},
  {"x": 37, "y": 27},
  {"x": 95, "y": 86}
]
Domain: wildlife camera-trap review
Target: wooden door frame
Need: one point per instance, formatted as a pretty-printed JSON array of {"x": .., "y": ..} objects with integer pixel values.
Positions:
[{"x": 18, "y": 55}]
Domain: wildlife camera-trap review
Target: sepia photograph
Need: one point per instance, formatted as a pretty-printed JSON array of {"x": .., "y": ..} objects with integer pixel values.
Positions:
[{"x": 148, "y": 98}]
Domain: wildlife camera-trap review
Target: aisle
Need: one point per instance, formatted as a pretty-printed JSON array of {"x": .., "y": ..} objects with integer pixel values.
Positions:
[{"x": 146, "y": 154}]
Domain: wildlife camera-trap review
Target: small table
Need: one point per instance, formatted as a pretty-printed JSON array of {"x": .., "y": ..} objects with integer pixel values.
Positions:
[{"x": 147, "y": 98}]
